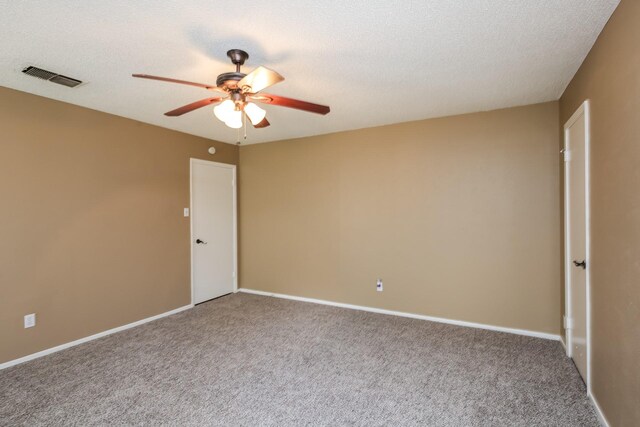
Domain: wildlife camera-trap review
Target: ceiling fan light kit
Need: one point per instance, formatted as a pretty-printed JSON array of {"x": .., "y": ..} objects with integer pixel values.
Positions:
[
  {"x": 234, "y": 119},
  {"x": 237, "y": 90},
  {"x": 255, "y": 113},
  {"x": 224, "y": 110}
]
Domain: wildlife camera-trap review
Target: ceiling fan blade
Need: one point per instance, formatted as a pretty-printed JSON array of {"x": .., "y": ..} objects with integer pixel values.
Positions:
[
  {"x": 263, "y": 124},
  {"x": 193, "y": 106},
  {"x": 259, "y": 79},
  {"x": 282, "y": 101},
  {"x": 183, "y": 82}
]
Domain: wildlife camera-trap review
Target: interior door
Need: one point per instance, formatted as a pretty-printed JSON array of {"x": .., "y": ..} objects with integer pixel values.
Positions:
[
  {"x": 213, "y": 229},
  {"x": 576, "y": 211}
]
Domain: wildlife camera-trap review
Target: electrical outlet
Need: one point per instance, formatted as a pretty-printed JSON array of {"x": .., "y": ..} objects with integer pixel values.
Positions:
[
  {"x": 379, "y": 285},
  {"x": 30, "y": 320}
]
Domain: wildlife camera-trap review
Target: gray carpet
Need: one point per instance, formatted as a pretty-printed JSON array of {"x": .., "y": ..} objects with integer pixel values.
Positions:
[{"x": 252, "y": 360}]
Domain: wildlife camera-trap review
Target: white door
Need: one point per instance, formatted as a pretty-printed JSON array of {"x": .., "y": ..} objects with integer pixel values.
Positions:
[
  {"x": 576, "y": 223},
  {"x": 213, "y": 229}
]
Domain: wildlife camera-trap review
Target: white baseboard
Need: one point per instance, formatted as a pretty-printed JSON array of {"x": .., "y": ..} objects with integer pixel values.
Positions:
[
  {"x": 599, "y": 413},
  {"x": 409, "y": 315},
  {"x": 90, "y": 338}
]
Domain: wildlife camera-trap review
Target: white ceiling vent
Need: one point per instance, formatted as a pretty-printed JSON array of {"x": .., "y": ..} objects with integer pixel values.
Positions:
[{"x": 51, "y": 76}]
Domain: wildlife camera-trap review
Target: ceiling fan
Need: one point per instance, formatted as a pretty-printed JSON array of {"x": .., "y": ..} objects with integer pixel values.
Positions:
[{"x": 237, "y": 91}]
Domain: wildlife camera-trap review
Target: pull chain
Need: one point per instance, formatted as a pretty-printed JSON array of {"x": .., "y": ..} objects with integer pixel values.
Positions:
[{"x": 244, "y": 117}]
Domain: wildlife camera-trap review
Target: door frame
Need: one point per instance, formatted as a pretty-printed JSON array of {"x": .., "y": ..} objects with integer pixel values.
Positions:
[
  {"x": 585, "y": 110},
  {"x": 193, "y": 161}
]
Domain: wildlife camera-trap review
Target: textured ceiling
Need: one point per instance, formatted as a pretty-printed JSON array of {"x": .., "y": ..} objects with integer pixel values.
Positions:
[{"x": 374, "y": 62}]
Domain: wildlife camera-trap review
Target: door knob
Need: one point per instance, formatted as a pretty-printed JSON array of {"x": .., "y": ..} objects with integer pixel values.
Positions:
[
  {"x": 201, "y": 242},
  {"x": 582, "y": 264}
]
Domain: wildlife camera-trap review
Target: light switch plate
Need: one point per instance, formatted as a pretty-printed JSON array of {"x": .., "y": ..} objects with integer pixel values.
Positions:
[
  {"x": 186, "y": 211},
  {"x": 30, "y": 320}
]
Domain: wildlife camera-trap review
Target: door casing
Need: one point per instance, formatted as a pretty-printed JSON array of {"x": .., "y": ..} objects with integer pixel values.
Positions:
[
  {"x": 235, "y": 219},
  {"x": 585, "y": 110}
]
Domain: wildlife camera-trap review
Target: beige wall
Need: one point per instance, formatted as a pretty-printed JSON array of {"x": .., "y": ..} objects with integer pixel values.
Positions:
[
  {"x": 459, "y": 216},
  {"x": 91, "y": 228},
  {"x": 610, "y": 78}
]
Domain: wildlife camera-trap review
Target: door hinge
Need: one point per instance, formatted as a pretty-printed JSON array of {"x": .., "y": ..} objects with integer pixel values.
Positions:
[
  {"x": 567, "y": 155},
  {"x": 568, "y": 322}
]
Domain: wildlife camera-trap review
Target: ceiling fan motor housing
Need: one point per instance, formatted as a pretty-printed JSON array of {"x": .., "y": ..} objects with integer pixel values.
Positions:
[{"x": 229, "y": 80}]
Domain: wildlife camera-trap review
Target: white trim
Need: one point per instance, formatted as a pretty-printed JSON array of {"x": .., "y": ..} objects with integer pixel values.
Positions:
[
  {"x": 235, "y": 218},
  {"x": 567, "y": 267},
  {"x": 599, "y": 413},
  {"x": 563, "y": 343},
  {"x": 584, "y": 109},
  {"x": 90, "y": 338},
  {"x": 409, "y": 315},
  {"x": 587, "y": 202}
]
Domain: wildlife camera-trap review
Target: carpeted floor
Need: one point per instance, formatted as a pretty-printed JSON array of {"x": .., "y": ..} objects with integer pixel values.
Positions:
[{"x": 252, "y": 360}]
